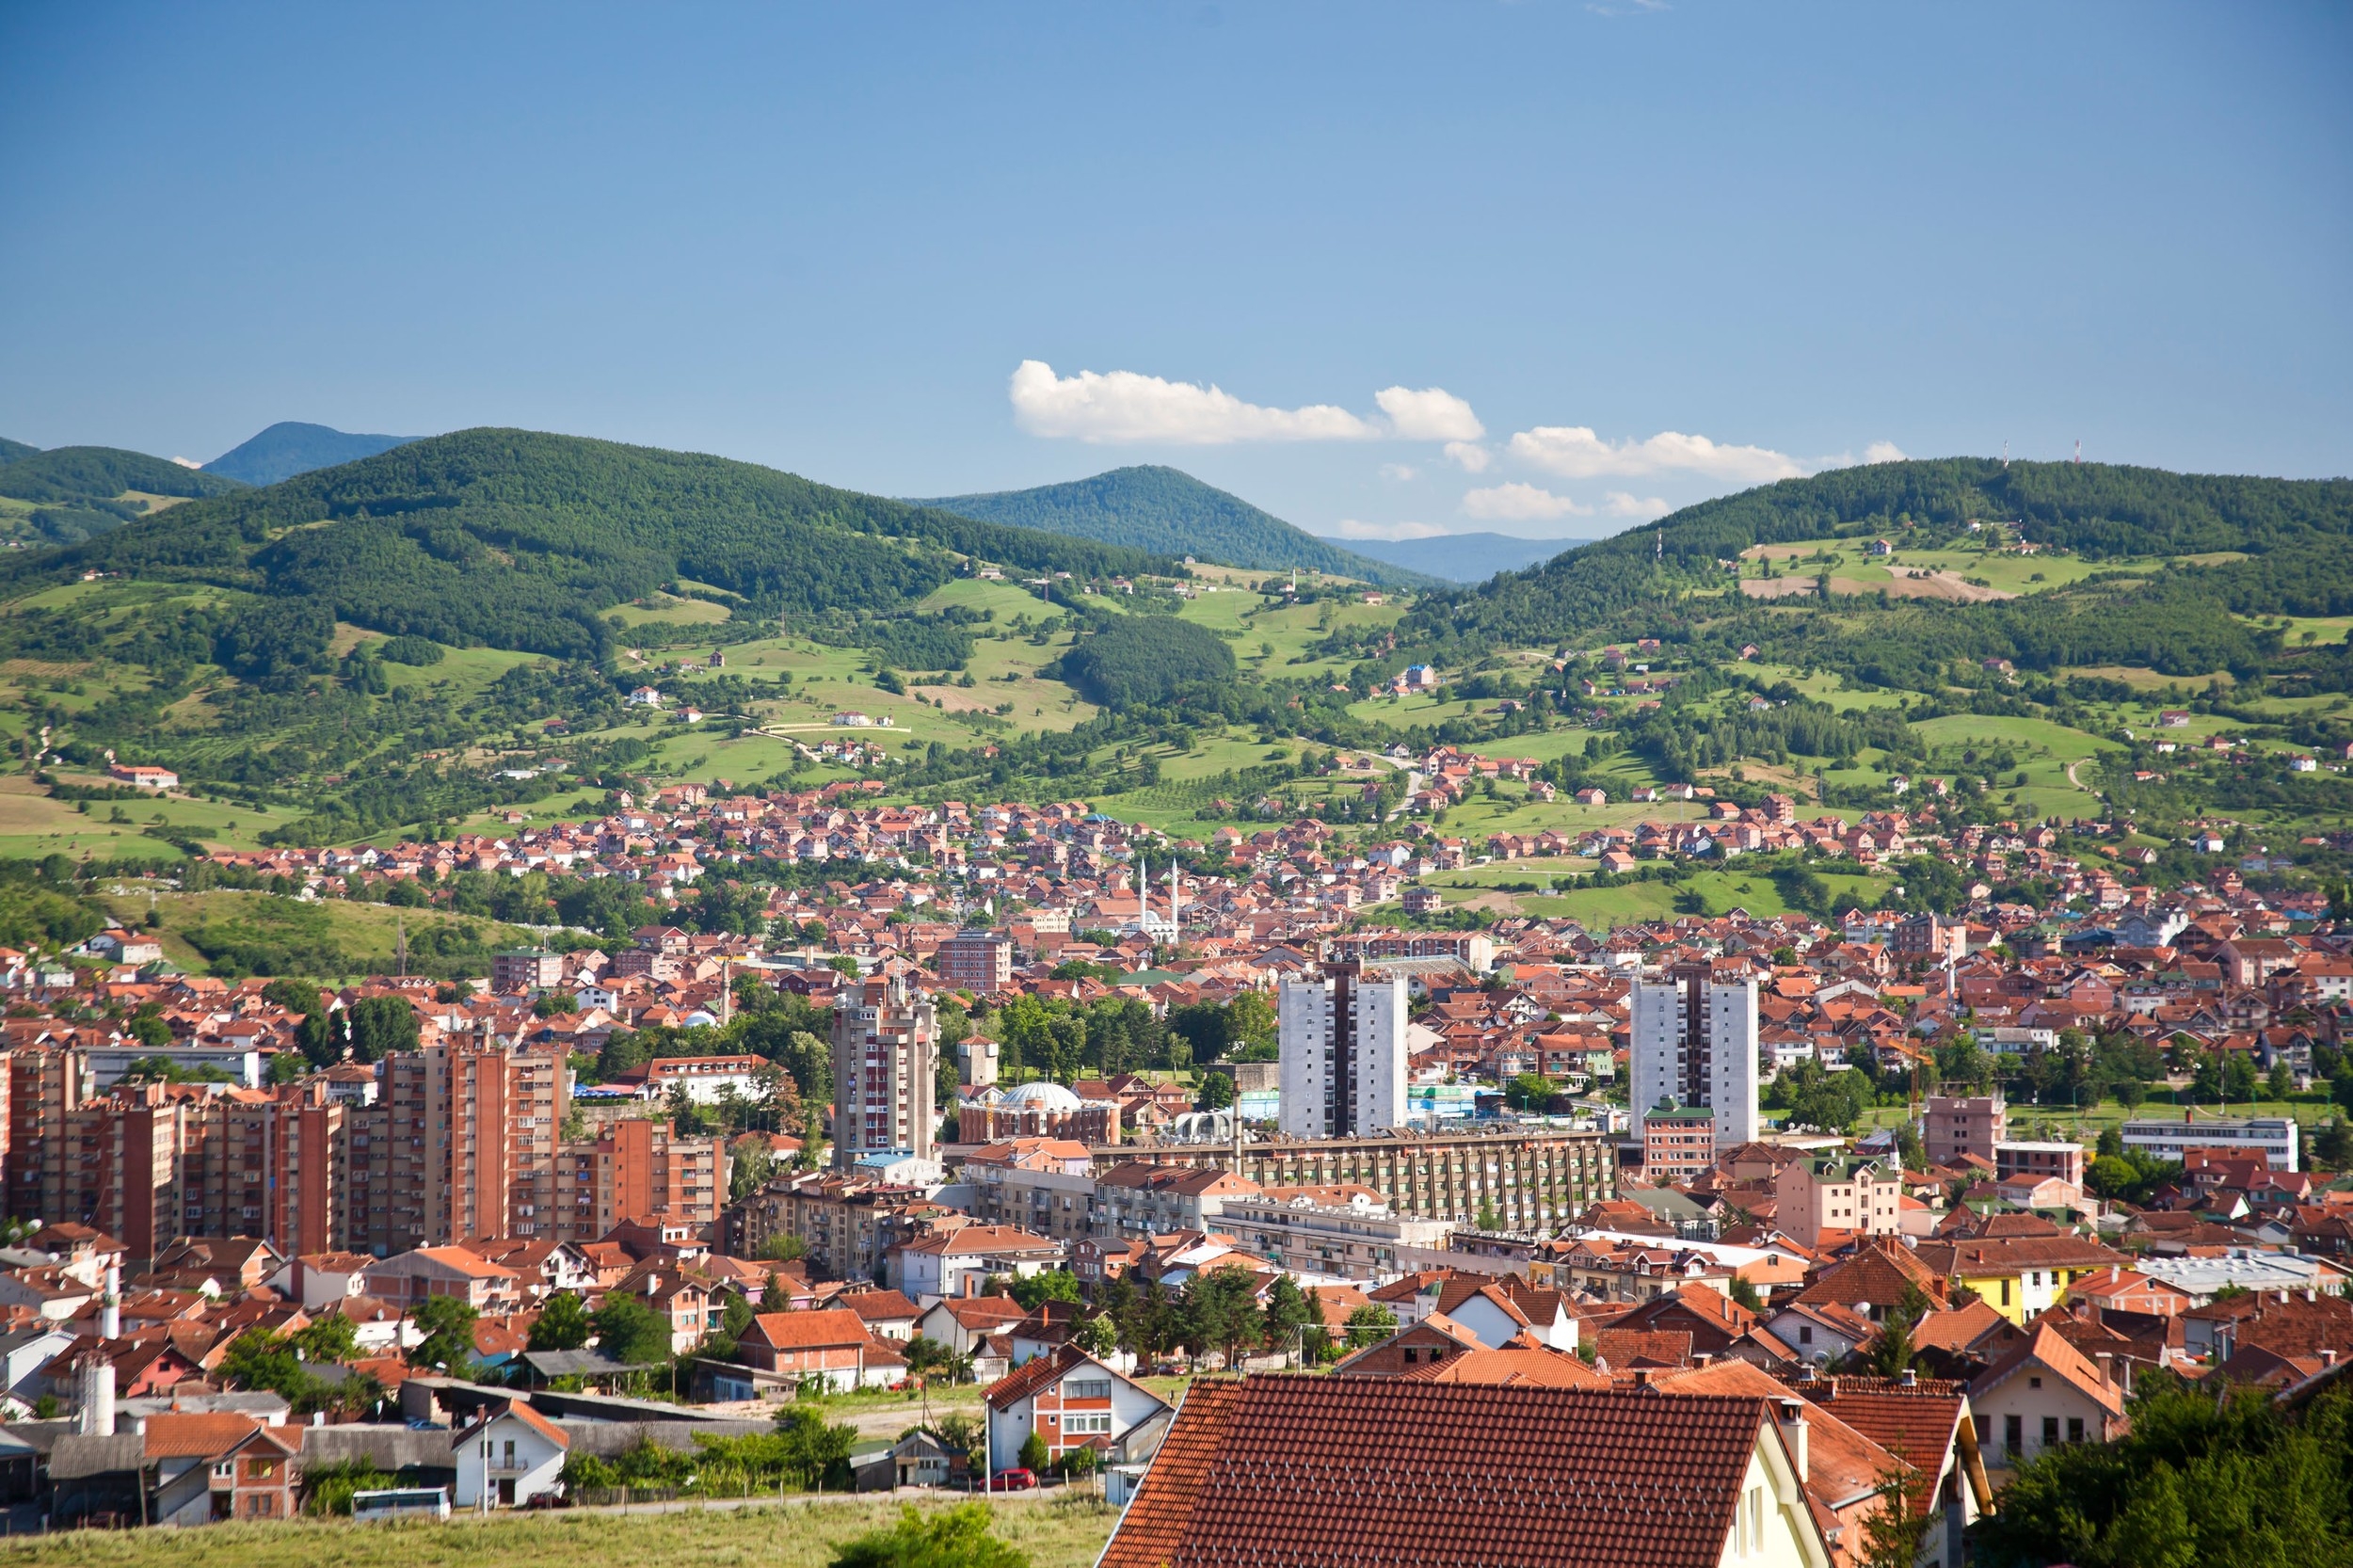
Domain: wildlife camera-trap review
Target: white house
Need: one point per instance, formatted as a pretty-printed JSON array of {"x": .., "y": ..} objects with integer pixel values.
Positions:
[
  {"x": 510, "y": 1456},
  {"x": 1068, "y": 1398},
  {"x": 2043, "y": 1394}
]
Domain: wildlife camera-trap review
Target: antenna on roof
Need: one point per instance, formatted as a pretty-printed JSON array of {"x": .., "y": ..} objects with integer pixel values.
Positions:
[{"x": 2079, "y": 449}]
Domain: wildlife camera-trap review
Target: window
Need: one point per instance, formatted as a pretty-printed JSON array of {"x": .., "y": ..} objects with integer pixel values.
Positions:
[
  {"x": 1087, "y": 1388},
  {"x": 2015, "y": 1434},
  {"x": 1805, "y": 1334},
  {"x": 2005, "y": 1292},
  {"x": 2050, "y": 1432}
]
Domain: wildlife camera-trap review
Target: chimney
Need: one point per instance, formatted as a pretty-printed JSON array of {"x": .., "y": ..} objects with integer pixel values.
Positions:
[
  {"x": 2107, "y": 1368},
  {"x": 1793, "y": 1433},
  {"x": 98, "y": 1397},
  {"x": 1642, "y": 1377},
  {"x": 2327, "y": 1356},
  {"x": 110, "y": 1305},
  {"x": 1908, "y": 1378}
]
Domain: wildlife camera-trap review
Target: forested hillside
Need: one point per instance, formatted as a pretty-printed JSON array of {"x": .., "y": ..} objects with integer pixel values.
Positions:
[
  {"x": 73, "y": 493},
  {"x": 515, "y": 539},
  {"x": 1169, "y": 512},
  {"x": 2154, "y": 609},
  {"x": 290, "y": 447}
]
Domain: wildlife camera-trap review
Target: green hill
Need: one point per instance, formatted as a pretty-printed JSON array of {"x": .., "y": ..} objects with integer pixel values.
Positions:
[
  {"x": 2153, "y": 608},
  {"x": 1169, "y": 512},
  {"x": 68, "y": 474},
  {"x": 516, "y": 539},
  {"x": 289, "y": 447},
  {"x": 72, "y": 493}
]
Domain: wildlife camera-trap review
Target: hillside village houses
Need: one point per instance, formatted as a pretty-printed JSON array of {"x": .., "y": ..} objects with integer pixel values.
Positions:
[{"x": 1473, "y": 1248}]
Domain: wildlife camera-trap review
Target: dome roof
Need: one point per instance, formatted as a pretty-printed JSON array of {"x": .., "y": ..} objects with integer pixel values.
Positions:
[{"x": 1046, "y": 1097}]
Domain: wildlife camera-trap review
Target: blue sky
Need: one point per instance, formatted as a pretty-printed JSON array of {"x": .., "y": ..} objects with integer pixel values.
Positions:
[{"x": 1615, "y": 256}]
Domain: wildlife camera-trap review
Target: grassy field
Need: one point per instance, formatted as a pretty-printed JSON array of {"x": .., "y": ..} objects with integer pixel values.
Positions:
[
  {"x": 1058, "y": 1533},
  {"x": 1712, "y": 892},
  {"x": 367, "y": 932},
  {"x": 2084, "y": 1124},
  {"x": 32, "y": 825}
]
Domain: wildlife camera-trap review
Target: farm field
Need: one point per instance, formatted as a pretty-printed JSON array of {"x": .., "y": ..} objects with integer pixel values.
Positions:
[{"x": 1710, "y": 892}]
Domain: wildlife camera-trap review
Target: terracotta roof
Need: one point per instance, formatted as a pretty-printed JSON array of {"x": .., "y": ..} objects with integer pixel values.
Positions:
[
  {"x": 1291, "y": 1469},
  {"x": 1844, "y": 1464},
  {"x": 1514, "y": 1365},
  {"x": 2045, "y": 1344},
  {"x": 1620, "y": 1348},
  {"x": 878, "y": 1307},
  {"x": 1038, "y": 1371},
  {"x": 805, "y": 1330},
  {"x": 982, "y": 1312},
  {"x": 197, "y": 1434}
]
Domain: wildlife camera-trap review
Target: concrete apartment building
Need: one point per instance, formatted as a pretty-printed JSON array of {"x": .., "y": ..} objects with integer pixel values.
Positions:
[
  {"x": 521, "y": 971},
  {"x": 1346, "y": 1231},
  {"x": 1694, "y": 1042},
  {"x": 2274, "y": 1139},
  {"x": 2060, "y": 1161},
  {"x": 1135, "y": 1200},
  {"x": 1342, "y": 1042},
  {"x": 975, "y": 961},
  {"x": 636, "y": 1169},
  {"x": 1955, "y": 1124},
  {"x": 1528, "y": 1178},
  {"x": 1678, "y": 1143},
  {"x": 1043, "y": 1185},
  {"x": 886, "y": 1045}
]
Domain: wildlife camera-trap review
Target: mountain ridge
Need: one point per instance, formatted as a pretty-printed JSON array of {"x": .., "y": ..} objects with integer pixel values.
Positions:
[
  {"x": 291, "y": 448},
  {"x": 1461, "y": 558},
  {"x": 1168, "y": 511},
  {"x": 522, "y": 539}
]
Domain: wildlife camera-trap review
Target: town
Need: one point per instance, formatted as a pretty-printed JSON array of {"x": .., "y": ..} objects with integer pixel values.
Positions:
[{"x": 1085, "y": 1122}]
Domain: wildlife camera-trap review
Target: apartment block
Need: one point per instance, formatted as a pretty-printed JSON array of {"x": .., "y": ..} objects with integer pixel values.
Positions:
[
  {"x": 976, "y": 960},
  {"x": 637, "y": 1169},
  {"x": 1694, "y": 1044},
  {"x": 886, "y": 1050},
  {"x": 1343, "y": 1043},
  {"x": 1955, "y": 1124}
]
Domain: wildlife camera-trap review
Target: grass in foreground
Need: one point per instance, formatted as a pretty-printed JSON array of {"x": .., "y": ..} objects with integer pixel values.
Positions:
[{"x": 1055, "y": 1534}]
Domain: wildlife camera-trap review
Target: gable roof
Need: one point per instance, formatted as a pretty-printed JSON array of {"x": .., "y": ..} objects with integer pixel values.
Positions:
[
  {"x": 196, "y": 1434},
  {"x": 1514, "y": 1364},
  {"x": 2045, "y": 1344},
  {"x": 1294, "y": 1469}
]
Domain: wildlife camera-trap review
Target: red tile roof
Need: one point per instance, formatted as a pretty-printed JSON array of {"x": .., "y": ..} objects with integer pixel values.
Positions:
[{"x": 1374, "y": 1471}]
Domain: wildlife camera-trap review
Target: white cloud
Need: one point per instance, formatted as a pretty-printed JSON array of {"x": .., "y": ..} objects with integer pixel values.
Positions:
[
  {"x": 1878, "y": 452},
  {"x": 1574, "y": 452},
  {"x": 1123, "y": 407},
  {"x": 187, "y": 462},
  {"x": 1518, "y": 503},
  {"x": 1473, "y": 456},
  {"x": 1350, "y": 528},
  {"x": 1618, "y": 504},
  {"x": 1400, "y": 472},
  {"x": 1883, "y": 452},
  {"x": 1432, "y": 414}
]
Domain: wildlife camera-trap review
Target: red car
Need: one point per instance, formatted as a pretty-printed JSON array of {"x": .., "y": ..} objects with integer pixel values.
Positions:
[{"x": 1012, "y": 1481}]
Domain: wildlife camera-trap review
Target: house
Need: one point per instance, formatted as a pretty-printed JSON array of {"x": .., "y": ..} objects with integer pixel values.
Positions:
[
  {"x": 2043, "y": 1393},
  {"x": 956, "y": 1263},
  {"x": 1070, "y": 1399},
  {"x": 208, "y": 1466},
  {"x": 1378, "y": 1469},
  {"x": 961, "y": 1322},
  {"x": 406, "y": 1278},
  {"x": 144, "y": 779},
  {"x": 886, "y": 1314},
  {"x": 508, "y": 1457},
  {"x": 829, "y": 1345}
]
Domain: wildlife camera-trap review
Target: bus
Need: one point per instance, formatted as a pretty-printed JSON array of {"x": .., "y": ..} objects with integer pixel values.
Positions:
[{"x": 401, "y": 1502}]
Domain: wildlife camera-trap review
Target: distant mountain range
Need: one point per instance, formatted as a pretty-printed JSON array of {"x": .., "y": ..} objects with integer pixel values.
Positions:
[
  {"x": 290, "y": 447},
  {"x": 1169, "y": 512},
  {"x": 1462, "y": 557}
]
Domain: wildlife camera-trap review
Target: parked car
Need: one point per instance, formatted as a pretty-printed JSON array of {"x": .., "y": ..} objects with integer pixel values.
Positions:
[{"x": 1012, "y": 1481}]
